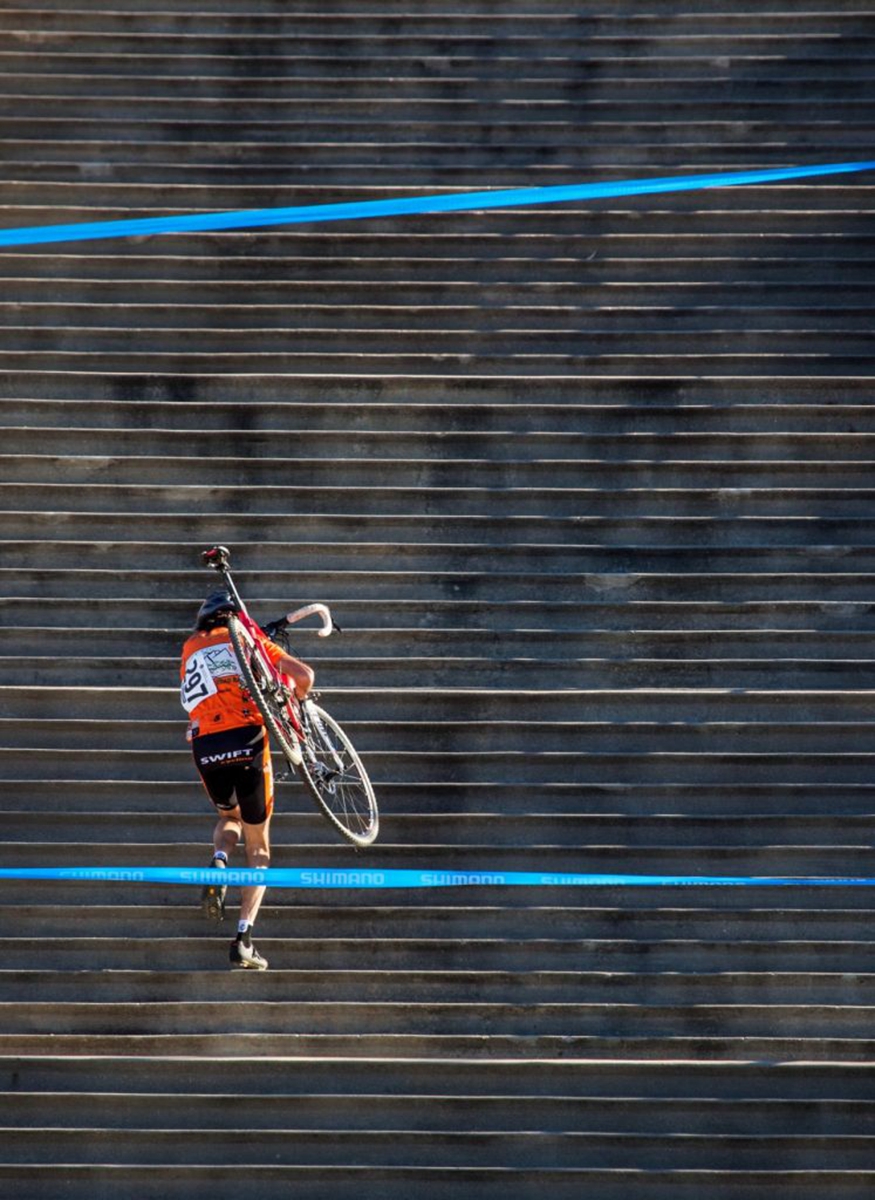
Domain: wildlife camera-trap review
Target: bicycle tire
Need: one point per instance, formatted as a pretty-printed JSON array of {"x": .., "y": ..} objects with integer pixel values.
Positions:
[
  {"x": 336, "y": 778},
  {"x": 279, "y": 724},
  {"x": 352, "y": 811}
]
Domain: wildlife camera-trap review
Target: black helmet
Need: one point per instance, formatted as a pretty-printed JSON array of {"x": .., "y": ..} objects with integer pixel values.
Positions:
[{"x": 215, "y": 605}]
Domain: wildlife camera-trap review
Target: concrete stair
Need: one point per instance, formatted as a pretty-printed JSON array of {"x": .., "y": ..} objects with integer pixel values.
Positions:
[{"x": 588, "y": 487}]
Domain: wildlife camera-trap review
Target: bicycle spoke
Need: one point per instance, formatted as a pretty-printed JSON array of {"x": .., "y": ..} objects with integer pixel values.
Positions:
[{"x": 337, "y": 777}]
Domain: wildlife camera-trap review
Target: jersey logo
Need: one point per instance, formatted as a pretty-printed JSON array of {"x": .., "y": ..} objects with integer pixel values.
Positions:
[
  {"x": 202, "y": 669},
  {"x": 225, "y": 756},
  {"x": 221, "y": 660}
]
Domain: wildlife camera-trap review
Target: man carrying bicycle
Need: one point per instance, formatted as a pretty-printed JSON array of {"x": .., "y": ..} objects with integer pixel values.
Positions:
[{"x": 232, "y": 754}]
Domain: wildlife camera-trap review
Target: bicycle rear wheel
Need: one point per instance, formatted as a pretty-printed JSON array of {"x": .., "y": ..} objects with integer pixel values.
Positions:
[
  {"x": 336, "y": 778},
  {"x": 271, "y": 702}
]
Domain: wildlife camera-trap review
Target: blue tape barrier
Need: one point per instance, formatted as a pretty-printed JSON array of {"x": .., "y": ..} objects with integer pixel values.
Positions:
[
  {"x": 333, "y": 877},
  {"x": 408, "y": 206}
]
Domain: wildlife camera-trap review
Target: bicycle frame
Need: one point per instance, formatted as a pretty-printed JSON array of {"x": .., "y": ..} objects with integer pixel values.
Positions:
[{"x": 217, "y": 557}]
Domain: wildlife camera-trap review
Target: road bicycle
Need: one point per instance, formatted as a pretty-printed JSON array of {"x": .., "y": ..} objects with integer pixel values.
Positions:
[{"x": 310, "y": 740}]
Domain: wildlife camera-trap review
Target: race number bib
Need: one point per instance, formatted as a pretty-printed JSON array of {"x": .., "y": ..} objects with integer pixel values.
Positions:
[{"x": 202, "y": 669}]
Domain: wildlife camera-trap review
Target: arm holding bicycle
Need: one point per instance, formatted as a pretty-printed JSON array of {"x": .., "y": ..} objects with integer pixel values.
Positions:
[{"x": 300, "y": 673}]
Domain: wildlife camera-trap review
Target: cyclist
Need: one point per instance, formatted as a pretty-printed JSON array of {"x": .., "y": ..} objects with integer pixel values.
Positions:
[{"x": 231, "y": 751}]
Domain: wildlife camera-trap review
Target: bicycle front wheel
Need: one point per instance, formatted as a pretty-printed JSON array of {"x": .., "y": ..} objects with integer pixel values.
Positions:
[{"x": 336, "y": 778}]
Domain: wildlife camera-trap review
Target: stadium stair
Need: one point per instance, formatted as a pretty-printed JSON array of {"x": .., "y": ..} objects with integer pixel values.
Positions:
[{"x": 590, "y": 489}]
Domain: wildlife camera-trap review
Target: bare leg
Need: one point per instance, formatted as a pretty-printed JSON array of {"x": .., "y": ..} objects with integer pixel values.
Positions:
[
  {"x": 257, "y": 839},
  {"x": 227, "y": 833}
]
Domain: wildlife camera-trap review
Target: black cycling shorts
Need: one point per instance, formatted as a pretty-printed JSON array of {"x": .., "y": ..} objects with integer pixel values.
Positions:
[{"x": 236, "y": 770}]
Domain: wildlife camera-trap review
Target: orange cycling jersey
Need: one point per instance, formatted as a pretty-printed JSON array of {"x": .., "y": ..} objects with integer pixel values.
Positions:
[{"x": 211, "y": 690}]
